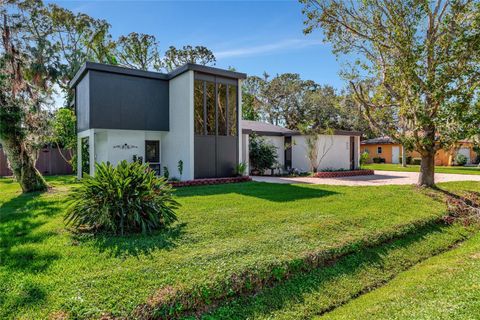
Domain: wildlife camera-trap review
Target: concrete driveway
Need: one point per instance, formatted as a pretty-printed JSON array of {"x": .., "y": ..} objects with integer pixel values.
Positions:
[{"x": 380, "y": 178}]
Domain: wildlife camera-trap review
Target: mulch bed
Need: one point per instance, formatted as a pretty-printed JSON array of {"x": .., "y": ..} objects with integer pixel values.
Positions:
[
  {"x": 339, "y": 174},
  {"x": 203, "y": 182}
]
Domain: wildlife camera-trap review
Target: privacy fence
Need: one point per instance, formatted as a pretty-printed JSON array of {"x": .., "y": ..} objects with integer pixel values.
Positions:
[{"x": 49, "y": 162}]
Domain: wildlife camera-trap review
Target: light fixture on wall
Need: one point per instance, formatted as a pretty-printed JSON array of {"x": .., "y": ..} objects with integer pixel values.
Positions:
[{"x": 125, "y": 146}]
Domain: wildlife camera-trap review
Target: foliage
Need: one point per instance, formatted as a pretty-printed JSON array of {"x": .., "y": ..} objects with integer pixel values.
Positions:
[
  {"x": 128, "y": 198},
  {"x": 378, "y": 160},
  {"x": 180, "y": 167},
  {"x": 263, "y": 155},
  {"x": 415, "y": 69},
  {"x": 364, "y": 158},
  {"x": 166, "y": 173},
  {"x": 460, "y": 159},
  {"x": 138, "y": 51},
  {"x": 241, "y": 169},
  {"x": 175, "y": 58},
  {"x": 64, "y": 135}
]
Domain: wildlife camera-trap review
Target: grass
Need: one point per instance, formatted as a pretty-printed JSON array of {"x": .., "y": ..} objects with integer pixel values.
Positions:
[
  {"x": 224, "y": 232},
  {"x": 443, "y": 287},
  {"x": 416, "y": 168}
]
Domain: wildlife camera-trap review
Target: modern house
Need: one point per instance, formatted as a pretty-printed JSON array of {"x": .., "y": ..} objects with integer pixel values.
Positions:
[
  {"x": 388, "y": 151},
  {"x": 190, "y": 114},
  {"x": 338, "y": 150}
]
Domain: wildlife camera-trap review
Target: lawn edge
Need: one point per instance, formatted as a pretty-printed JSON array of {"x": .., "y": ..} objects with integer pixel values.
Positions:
[{"x": 171, "y": 303}]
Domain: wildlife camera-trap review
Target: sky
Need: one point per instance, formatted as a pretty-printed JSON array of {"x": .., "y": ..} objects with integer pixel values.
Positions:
[{"x": 252, "y": 36}]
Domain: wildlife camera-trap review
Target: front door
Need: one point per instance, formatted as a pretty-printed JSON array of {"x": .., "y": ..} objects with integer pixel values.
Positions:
[
  {"x": 395, "y": 154},
  {"x": 352, "y": 153}
]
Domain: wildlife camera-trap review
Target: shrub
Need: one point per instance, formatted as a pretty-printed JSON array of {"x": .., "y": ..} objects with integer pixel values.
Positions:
[
  {"x": 240, "y": 169},
  {"x": 123, "y": 199},
  {"x": 263, "y": 155},
  {"x": 378, "y": 160},
  {"x": 460, "y": 160},
  {"x": 364, "y": 158}
]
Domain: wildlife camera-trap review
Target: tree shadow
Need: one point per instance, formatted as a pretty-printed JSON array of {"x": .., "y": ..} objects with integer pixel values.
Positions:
[
  {"x": 274, "y": 192},
  {"x": 134, "y": 245},
  {"x": 293, "y": 290},
  {"x": 21, "y": 217}
]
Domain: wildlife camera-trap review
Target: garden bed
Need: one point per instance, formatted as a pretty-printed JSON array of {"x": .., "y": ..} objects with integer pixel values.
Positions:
[
  {"x": 211, "y": 181},
  {"x": 339, "y": 174}
]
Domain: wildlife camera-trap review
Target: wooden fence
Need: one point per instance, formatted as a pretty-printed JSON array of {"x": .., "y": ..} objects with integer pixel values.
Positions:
[{"x": 49, "y": 162}]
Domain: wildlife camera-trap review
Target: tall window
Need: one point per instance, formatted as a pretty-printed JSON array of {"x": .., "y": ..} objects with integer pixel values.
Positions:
[
  {"x": 232, "y": 110},
  {"x": 198, "y": 105},
  {"x": 210, "y": 92},
  {"x": 379, "y": 150},
  {"x": 222, "y": 109},
  {"x": 215, "y": 108}
]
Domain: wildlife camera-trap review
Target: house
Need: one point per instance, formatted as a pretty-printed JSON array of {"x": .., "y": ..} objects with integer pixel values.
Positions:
[
  {"x": 339, "y": 150},
  {"x": 391, "y": 152},
  {"x": 190, "y": 114}
]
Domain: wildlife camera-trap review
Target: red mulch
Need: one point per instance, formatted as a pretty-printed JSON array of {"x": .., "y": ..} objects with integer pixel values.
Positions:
[
  {"x": 338, "y": 174},
  {"x": 202, "y": 182}
]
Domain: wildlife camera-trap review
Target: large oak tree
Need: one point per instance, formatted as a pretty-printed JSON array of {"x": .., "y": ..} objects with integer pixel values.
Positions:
[{"x": 415, "y": 62}]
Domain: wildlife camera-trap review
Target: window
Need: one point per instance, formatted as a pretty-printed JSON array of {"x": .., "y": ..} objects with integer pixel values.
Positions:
[
  {"x": 379, "y": 150},
  {"x": 215, "y": 107},
  {"x": 210, "y": 92},
  {"x": 198, "y": 102},
  {"x": 222, "y": 109},
  {"x": 152, "y": 151},
  {"x": 232, "y": 110}
]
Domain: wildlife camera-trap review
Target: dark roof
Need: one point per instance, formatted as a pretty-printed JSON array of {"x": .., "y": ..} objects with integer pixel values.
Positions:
[
  {"x": 380, "y": 140},
  {"x": 151, "y": 74},
  {"x": 267, "y": 129}
]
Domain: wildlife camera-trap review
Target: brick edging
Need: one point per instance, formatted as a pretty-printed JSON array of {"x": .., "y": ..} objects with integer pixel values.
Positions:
[
  {"x": 339, "y": 174},
  {"x": 211, "y": 181}
]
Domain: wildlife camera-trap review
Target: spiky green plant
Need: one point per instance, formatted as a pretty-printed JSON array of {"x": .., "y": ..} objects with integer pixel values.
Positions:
[{"x": 128, "y": 198}]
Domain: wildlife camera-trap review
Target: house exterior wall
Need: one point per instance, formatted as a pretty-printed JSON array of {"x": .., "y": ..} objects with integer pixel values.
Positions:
[
  {"x": 122, "y": 102},
  {"x": 177, "y": 143},
  {"x": 442, "y": 157},
  {"x": 335, "y": 148},
  {"x": 279, "y": 143}
]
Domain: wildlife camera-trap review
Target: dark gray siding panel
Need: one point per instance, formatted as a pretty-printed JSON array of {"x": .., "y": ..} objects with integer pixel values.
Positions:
[
  {"x": 128, "y": 102},
  {"x": 205, "y": 161},
  {"x": 227, "y": 154},
  {"x": 82, "y": 105}
]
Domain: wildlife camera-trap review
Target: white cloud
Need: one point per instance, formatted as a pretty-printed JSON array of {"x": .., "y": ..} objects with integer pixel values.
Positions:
[{"x": 279, "y": 46}]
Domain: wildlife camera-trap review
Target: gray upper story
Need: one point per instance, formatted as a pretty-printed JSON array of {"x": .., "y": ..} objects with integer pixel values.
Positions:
[{"x": 112, "y": 97}]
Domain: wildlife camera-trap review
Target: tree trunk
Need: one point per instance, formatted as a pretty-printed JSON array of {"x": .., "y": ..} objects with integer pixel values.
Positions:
[
  {"x": 404, "y": 157},
  {"x": 427, "y": 170},
  {"x": 23, "y": 167}
]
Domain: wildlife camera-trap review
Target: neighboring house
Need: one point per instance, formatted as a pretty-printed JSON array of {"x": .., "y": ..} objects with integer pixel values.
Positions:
[
  {"x": 49, "y": 162},
  {"x": 391, "y": 152},
  {"x": 340, "y": 150},
  {"x": 190, "y": 114}
]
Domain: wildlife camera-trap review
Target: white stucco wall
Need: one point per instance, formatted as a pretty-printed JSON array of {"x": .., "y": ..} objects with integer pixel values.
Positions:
[
  {"x": 177, "y": 144},
  {"x": 245, "y": 151},
  {"x": 279, "y": 143},
  {"x": 337, "y": 156}
]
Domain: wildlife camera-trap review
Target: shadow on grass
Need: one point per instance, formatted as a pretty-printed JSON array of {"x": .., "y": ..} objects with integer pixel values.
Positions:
[
  {"x": 294, "y": 289},
  {"x": 20, "y": 220},
  {"x": 135, "y": 245},
  {"x": 274, "y": 192}
]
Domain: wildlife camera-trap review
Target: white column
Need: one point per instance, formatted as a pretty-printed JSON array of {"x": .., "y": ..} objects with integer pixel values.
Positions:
[
  {"x": 79, "y": 157},
  {"x": 247, "y": 153},
  {"x": 91, "y": 150},
  {"x": 239, "y": 118}
]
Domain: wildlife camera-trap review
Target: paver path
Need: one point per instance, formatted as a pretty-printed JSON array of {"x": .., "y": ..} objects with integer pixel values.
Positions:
[{"x": 380, "y": 178}]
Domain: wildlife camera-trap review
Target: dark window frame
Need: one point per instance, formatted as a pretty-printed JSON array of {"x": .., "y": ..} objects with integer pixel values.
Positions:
[
  {"x": 379, "y": 150},
  {"x": 157, "y": 153}
]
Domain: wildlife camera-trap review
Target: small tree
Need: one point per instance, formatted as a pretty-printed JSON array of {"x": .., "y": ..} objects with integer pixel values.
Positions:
[
  {"x": 263, "y": 155},
  {"x": 64, "y": 134}
]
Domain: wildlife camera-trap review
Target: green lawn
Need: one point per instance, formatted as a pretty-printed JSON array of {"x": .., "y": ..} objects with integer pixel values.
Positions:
[
  {"x": 443, "y": 287},
  {"x": 414, "y": 168},
  {"x": 225, "y": 233}
]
